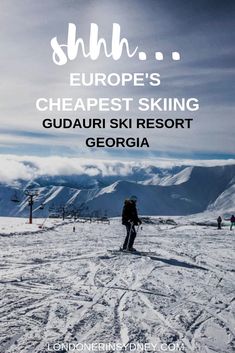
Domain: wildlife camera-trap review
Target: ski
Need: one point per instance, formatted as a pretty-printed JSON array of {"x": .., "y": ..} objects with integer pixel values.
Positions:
[
  {"x": 120, "y": 251},
  {"x": 148, "y": 254}
]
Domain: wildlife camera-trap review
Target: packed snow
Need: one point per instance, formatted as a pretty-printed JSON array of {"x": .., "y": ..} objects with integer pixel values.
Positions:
[
  {"x": 63, "y": 288},
  {"x": 12, "y": 226}
]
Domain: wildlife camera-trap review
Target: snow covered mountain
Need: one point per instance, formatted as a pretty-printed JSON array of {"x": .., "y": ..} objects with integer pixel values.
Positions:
[
  {"x": 169, "y": 178},
  {"x": 150, "y": 175},
  {"x": 176, "y": 191}
]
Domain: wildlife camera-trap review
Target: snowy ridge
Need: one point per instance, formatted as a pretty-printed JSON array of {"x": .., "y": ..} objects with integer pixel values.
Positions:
[
  {"x": 178, "y": 178},
  {"x": 170, "y": 179},
  {"x": 225, "y": 201}
]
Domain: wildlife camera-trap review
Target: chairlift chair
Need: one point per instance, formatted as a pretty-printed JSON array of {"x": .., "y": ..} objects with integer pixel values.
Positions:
[{"x": 15, "y": 198}]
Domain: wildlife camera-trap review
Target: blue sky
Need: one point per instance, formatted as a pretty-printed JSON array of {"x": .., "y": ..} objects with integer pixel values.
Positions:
[{"x": 202, "y": 31}]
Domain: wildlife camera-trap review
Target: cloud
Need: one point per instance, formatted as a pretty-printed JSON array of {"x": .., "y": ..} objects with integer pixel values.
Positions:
[
  {"x": 15, "y": 167},
  {"x": 201, "y": 31}
]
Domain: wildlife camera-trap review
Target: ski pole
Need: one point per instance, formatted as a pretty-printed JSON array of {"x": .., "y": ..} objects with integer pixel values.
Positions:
[{"x": 137, "y": 229}]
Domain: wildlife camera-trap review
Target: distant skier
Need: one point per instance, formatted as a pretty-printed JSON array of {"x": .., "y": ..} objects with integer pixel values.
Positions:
[
  {"x": 219, "y": 221},
  {"x": 130, "y": 219},
  {"x": 74, "y": 229},
  {"x": 232, "y": 220}
]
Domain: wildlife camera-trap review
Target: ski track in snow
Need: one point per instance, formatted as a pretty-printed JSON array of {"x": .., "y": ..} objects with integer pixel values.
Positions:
[{"x": 60, "y": 286}]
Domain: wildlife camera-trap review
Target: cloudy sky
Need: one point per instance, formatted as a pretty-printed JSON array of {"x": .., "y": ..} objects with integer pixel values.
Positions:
[
  {"x": 15, "y": 168},
  {"x": 201, "y": 30}
]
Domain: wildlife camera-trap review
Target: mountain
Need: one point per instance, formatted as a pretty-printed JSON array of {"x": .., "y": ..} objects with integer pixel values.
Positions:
[
  {"x": 169, "y": 178},
  {"x": 200, "y": 190},
  {"x": 148, "y": 175},
  {"x": 225, "y": 201},
  {"x": 177, "y": 191}
]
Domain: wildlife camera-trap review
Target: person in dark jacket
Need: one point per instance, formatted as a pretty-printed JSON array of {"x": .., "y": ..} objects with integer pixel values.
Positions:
[
  {"x": 130, "y": 219},
  {"x": 232, "y": 220},
  {"x": 219, "y": 221}
]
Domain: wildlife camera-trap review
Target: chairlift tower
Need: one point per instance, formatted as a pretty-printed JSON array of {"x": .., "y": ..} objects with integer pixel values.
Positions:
[{"x": 31, "y": 194}]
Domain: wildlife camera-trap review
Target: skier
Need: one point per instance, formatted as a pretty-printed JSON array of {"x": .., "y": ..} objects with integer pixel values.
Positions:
[
  {"x": 130, "y": 219},
  {"x": 219, "y": 221},
  {"x": 232, "y": 220}
]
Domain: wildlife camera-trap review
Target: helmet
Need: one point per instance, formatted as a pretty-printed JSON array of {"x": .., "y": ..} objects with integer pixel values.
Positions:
[{"x": 133, "y": 198}]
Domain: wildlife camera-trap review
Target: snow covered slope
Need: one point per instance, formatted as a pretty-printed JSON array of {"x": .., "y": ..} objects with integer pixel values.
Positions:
[
  {"x": 225, "y": 201},
  {"x": 170, "y": 178},
  {"x": 61, "y": 287}
]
